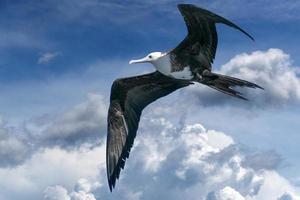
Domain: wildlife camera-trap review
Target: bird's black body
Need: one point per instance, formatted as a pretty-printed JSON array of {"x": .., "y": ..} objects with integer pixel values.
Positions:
[{"x": 129, "y": 96}]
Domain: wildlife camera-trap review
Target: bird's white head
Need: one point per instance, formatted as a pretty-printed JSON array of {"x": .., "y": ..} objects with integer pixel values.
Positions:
[{"x": 152, "y": 57}]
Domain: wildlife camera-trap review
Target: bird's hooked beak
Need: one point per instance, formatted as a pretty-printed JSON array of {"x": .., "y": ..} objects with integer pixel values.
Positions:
[{"x": 143, "y": 60}]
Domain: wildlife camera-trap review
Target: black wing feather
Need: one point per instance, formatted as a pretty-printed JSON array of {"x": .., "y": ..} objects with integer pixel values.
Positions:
[
  {"x": 202, "y": 37},
  {"x": 129, "y": 96}
]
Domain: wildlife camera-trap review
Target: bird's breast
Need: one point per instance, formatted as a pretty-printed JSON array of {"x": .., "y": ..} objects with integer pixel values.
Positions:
[{"x": 164, "y": 66}]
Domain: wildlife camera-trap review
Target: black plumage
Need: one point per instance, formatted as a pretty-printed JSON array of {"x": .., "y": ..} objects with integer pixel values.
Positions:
[
  {"x": 198, "y": 49},
  {"x": 129, "y": 96}
]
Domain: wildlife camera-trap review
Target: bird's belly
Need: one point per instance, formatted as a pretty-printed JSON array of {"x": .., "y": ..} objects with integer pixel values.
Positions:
[{"x": 184, "y": 74}]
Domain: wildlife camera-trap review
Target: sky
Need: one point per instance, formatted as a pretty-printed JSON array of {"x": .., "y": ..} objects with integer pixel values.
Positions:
[{"x": 58, "y": 60}]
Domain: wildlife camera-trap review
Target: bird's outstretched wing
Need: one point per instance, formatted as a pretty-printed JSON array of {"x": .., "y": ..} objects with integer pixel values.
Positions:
[
  {"x": 129, "y": 96},
  {"x": 198, "y": 49}
]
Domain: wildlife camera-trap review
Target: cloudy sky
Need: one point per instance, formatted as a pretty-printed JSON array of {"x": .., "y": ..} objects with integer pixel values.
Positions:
[{"x": 58, "y": 60}]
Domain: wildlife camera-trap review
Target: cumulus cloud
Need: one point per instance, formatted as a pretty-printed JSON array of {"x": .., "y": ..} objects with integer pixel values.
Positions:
[
  {"x": 13, "y": 149},
  {"x": 56, "y": 193},
  {"x": 82, "y": 191},
  {"x": 49, "y": 172},
  {"x": 47, "y": 57},
  {"x": 82, "y": 124},
  {"x": 226, "y": 193},
  {"x": 190, "y": 162},
  {"x": 195, "y": 163},
  {"x": 271, "y": 69}
]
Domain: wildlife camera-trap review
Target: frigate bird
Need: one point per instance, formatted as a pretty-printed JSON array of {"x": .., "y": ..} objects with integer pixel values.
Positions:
[{"x": 187, "y": 63}]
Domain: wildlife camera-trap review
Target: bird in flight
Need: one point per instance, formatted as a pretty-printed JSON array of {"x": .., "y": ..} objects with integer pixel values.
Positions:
[{"x": 187, "y": 63}]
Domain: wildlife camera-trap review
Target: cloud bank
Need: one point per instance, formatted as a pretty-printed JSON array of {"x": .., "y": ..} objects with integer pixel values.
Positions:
[
  {"x": 271, "y": 69},
  {"x": 82, "y": 125},
  {"x": 186, "y": 160},
  {"x": 189, "y": 163}
]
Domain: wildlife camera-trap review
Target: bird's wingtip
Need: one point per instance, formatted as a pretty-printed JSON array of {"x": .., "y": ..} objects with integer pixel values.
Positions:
[
  {"x": 110, "y": 182},
  {"x": 258, "y": 86},
  {"x": 111, "y": 185},
  {"x": 244, "y": 98},
  {"x": 252, "y": 38}
]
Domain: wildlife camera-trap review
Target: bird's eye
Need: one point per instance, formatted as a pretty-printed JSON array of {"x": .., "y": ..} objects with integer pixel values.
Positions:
[{"x": 150, "y": 56}]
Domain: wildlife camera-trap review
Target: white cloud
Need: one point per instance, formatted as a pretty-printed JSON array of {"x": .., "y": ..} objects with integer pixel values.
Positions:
[
  {"x": 13, "y": 149},
  {"x": 56, "y": 193},
  {"x": 82, "y": 191},
  {"x": 271, "y": 69},
  {"x": 189, "y": 162},
  {"x": 84, "y": 123},
  {"x": 47, "y": 57},
  {"x": 275, "y": 187},
  {"x": 226, "y": 193},
  {"x": 51, "y": 167}
]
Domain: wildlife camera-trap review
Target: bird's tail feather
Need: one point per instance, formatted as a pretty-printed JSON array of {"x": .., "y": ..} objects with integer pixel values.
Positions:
[{"x": 225, "y": 84}]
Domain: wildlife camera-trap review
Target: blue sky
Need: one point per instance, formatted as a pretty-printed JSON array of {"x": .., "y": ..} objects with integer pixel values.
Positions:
[{"x": 56, "y": 55}]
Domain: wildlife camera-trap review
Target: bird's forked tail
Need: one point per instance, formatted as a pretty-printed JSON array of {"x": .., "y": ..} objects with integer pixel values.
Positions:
[{"x": 225, "y": 83}]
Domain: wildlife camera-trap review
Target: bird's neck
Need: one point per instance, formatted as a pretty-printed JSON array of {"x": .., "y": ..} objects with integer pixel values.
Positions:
[{"x": 163, "y": 64}]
